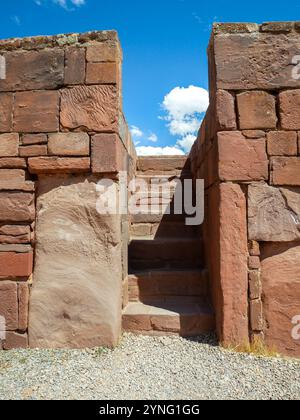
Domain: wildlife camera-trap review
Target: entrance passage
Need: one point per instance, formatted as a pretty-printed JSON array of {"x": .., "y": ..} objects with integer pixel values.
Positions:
[{"x": 168, "y": 282}]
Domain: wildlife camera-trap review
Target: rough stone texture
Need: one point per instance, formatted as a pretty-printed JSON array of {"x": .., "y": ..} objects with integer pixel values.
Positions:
[
  {"x": 33, "y": 70},
  {"x": 69, "y": 144},
  {"x": 9, "y": 144},
  {"x": 55, "y": 165},
  {"x": 6, "y": 109},
  {"x": 77, "y": 288},
  {"x": 254, "y": 262},
  {"x": 10, "y": 234},
  {"x": 102, "y": 73},
  {"x": 23, "y": 299},
  {"x": 33, "y": 139},
  {"x": 16, "y": 207},
  {"x": 36, "y": 112},
  {"x": 255, "y": 286},
  {"x": 234, "y": 28},
  {"x": 15, "y": 340},
  {"x": 285, "y": 171},
  {"x": 256, "y": 315},
  {"x": 282, "y": 143},
  {"x": 254, "y": 134},
  {"x": 233, "y": 264},
  {"x": 255, "y": 61},
  {"x": 273, "y": 215},
  {"x": 256, "y": 110},
  {"x": 289, "y": 102},
  {"x": 31, "y": 151},
  {"x": 16, "y": 264},
  {"x": 89, "y": 108},
  {"x": 75, "y": 66},
  {"x": 281, "y": 289},
  {"x": 102, "y": 52},
  {"x": 7, "y": 175},
  {"x": 107, "y": 154},
  {"x": 13, "y": 163},
  {"x": 9, "y": 304},
  {"x": 241, "y": 159},
  {"x": 225, "y": 111}
]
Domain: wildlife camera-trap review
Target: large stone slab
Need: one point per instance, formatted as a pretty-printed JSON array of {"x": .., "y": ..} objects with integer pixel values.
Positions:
[
  {"x": 28, "y": 70},
  {"x": 256, "y": 60},
  {"x": 273, "y": 213},
  {"x": 281, "y": 290},
  {"x": 77, "y": 283}
]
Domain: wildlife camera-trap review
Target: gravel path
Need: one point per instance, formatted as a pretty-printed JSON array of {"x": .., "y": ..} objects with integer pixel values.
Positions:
[{"x": 147, "y": 368}]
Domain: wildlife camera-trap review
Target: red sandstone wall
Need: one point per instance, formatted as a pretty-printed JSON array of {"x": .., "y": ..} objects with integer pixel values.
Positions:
[
  {"x": 60, "y": 113},
  {"x": 248, "y": 151}
]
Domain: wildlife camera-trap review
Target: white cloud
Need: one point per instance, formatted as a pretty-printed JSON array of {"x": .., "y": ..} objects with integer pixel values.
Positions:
[
  {"x": 187, "y": 142},
  {"x": 153, "y": 138},
  {"x": 136, "y": 132},
  {"x": 184, "y": 108},
  {"x": 159, "y": 151},
  {"x": 65, "y": 4}
]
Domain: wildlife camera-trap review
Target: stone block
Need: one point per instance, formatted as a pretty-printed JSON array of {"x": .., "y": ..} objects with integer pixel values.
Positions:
[
  {"x": 55, "y": 165},
  {"x": 14, "y": 264},
  {"x": 6, "y": 110},
  {"x": 36, "y": 112},
  {"x": 17, "y": 207},
  {"x": 102, "y": 73},
  {"x": 9, "y": 304},
  {"x": 256, "y": 110},
  {"x": 108, "y": 154},
  {"x": 289, "y": 104},
  {"x": 225, "y": 110},
  {"x": 75, "y": 66},
  {"x": 285, "y": 171},
  {"x": 282, "y": 143},
  {"x": 9, "y": 145},
  {"x": 69, "y": 144},
  {"x": 32, "y": 151}
]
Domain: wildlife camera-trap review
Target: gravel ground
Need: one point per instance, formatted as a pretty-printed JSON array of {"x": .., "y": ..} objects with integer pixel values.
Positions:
[{"x": 147, "y": 368}]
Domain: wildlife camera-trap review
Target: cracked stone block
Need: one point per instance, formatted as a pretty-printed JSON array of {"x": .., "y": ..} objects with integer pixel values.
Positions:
[{"x": 273, "y": 213}]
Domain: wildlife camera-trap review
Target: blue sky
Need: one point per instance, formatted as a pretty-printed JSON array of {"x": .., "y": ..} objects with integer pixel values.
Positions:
[{"x": 164, "y": 44}]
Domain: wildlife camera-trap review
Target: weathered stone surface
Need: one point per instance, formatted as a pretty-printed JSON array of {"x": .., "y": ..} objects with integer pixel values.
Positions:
[
  {"x": 289, "y": 102},
  {"x": 9, "y": 144},
  {"x": 254, "y": 134},
  {"x": 69, "y": 144},
  {"x": 255, "y": 286},
  {"x": 77, "y": 288},
  {"x": 282, "y": 143},
  {"x": 255, "y": 61},
  {"x": 152, "y": 165},
  {"x": 257, "y": 110},
  {"x": 277, "y": 27},
  {"x": 33, "y": 139},
  {"x": 13, "y": 163},
  {"x": 23, "y": 299},
  {"x": 12, "y": 175},
  {"x": 232, "y": 28},
  {"x": 225, "y": 105},
  {"x": 36, "y": 112},
  {"x": 75, "y": 66},
  {"x": 90, "y": 108},
  {"x": 33, "y": 70},
  {"x": 254, "y": 248},
  {"x": 281, "y": 289},
  {"x": 12, "y": 234},
  {"x": 9, "y": 304},
  {"x": 108, "y": 154},
  {"x": 26, "y": 186},
  {"x": 103, "y": 52},
  {"x": 20, "y": 249},
  {"x": 285, "y": 171},
  {"x": 15, "y": 340},
  {"x": 14, "y": 264},
  {"x": 54, "y": 165},
  {"x": 273, "y": 215},
  {"x": 6, "y": 110},
  {"x": 35, "y": 150},
  {"x": 254, "y": 263},
  {"x": 233, "y": 286},
  {"x": 16, "y": 207},
  {"x": 256, "y": 315},
  {"x": 241, "y": 159},
  {"x": 102, "y": 73}
]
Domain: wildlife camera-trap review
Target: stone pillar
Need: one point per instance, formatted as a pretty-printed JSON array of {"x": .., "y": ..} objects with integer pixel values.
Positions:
[
  {"x": 248, "y": 152},
  {"x": 61, "y": 130}
]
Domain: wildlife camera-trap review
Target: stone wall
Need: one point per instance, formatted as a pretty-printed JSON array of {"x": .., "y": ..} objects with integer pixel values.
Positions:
[
  {"x": 248, "y": 151},
  {"x": 61, "y": 130}
]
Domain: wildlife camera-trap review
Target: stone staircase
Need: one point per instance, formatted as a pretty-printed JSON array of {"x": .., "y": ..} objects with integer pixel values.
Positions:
[{"x": 168, "y": 284}]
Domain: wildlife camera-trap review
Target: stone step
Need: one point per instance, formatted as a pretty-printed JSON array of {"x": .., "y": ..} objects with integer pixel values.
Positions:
[
  {"x": 146, "y": 286},
  {"x": 165, "y": 253},
  {"x": 162, "y": 164},
  {"x": 163, "y": 230},
  {"x": 164, "y": 318}
]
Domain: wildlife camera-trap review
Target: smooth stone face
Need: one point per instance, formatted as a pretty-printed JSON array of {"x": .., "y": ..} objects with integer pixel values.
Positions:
[
  {"x": 281, "y": 290},
  {"x": 77, "y": 283}
]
